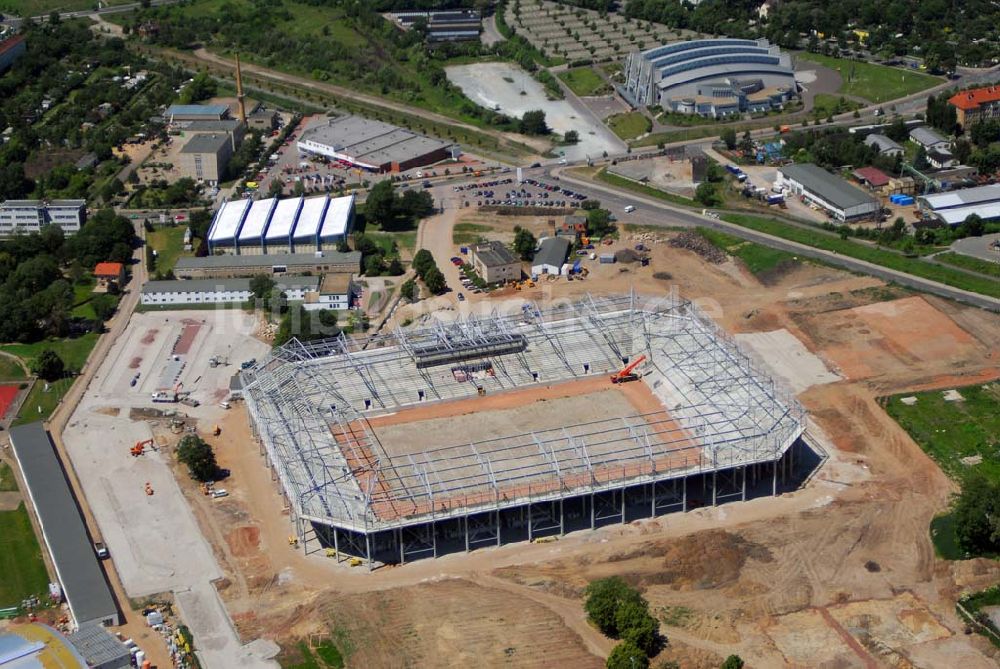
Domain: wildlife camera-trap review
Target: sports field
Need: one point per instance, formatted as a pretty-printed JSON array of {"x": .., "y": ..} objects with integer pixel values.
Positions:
[{"x": 875, "y": 83}]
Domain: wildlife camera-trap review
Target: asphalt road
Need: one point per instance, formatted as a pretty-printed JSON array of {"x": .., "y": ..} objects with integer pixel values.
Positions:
[{"x": 657, "y": 213}]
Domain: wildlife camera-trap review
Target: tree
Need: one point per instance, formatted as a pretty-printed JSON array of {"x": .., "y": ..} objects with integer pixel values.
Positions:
[
  {"x": 706, "y": 194},
  {"x": 599, "y": 223},
  {"x": 380, "y": 206},
  {"x": 920, "y": 162},
  {"x": 524, "y": 243},
  {"x": 374, "y": 265},
  {"x": 603, "y": 597},
  {"x": 627, "y": 655},
  {"x": 588, "y": 205},
  {"x": 977, "y": 516},
  {"x": 199, "y": 457},
  {"x": 635, "y": 624},
  {"x": 104, "y": 306},
  {"x": 732, "y": 662},
  {"x": 48, "y": 365},
  {"x": 434, "y": 280},
  {"x": 201, "y": 87},
  {"x": 972, "y": 226},
  {"x": 746, "y": 144},
  {"x": 395, "y": 268},
  {"x": 422, "y": 261},
  {"x": 409, "y": 290},
  {"x": 571, "y": 137},
  {"x": 728, "y": 136},
  {"x": 261, "y": 285},
  {"x": 415, "y": 204},
  {"x": 275, "y": 189},
  {"x": 533, "y": 123}
]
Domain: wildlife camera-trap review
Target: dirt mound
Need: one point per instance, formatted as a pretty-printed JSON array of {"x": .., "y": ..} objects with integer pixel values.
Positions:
[
  {"x": 705, "y": 560},
  {"x": 150, "y": 336},
  {"x": 692, "y": 241},
  {"x": 135, "y": 362},
  {"x": 627, "y": 256},
  {"x": 244, "y": 541}
]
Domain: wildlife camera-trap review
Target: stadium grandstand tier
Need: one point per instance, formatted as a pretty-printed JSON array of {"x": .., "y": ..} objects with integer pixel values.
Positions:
[
  {"x": 348, "y": 426},
  {"x": 296, "y": 225},
  {"x": 711, "y": 77}
]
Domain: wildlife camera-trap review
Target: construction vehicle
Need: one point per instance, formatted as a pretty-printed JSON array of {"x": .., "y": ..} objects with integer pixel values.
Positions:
[
  {"x": 216, "y": 431},
  {"x": 355, "y": 562},
  {"x": 628, "y": 373},
  {"x": 140, "y": 447}
]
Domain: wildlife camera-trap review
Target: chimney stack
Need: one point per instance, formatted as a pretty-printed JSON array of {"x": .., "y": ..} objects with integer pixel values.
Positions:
[{"x": 239, "y": 91}]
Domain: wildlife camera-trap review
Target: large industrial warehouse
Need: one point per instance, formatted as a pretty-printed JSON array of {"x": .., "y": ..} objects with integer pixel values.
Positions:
[
  {"x": 270, "y": 226},
  {"x": 953, "y": 207},
  {"x": 839, "y": 199},
  {"x": 373, "y": 145},
  {"x": 463, "y": 434},
  {"x": 710, "y": 76}
]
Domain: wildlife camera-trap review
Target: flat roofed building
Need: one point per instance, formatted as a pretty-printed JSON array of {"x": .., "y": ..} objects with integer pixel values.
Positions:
[
  {"x": 495, "y": 263},
  {"x": 979, "y": 104},
  {"x": 220, "y": 291},
  {"x": 840, "y": 199},
  {"x": 552, "y": 253},
  {"x": 336, "y": 291},
  {"x": 196, "y": 112},
  {"x": 251, "y": 237},
  {"x": 372, "y": 145},
  {"x": 31, "y": 215},
  {"x": 306, "y": 232},
  {"x": 230, "y": 126},
  {"x": 231, "y": 266},
  {"x": 674, "y": 70},
  {"x": 443, "y": 26},
  {"x": 83, "y": 582},
  {"x": 100, "y": 648},
  {"x": 206, "y": 156},
  {"x": 338, "y": 221}
]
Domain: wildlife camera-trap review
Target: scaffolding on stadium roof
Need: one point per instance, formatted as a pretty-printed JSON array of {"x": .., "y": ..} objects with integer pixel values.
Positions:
[{"x": 309, "y": 404}]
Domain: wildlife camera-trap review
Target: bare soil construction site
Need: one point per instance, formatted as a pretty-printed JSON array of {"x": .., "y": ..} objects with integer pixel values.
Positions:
[{"x": 835, "y": 571}]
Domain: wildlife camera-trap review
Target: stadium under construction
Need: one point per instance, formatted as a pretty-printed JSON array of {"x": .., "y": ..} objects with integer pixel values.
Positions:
[{"x": 460, "y": 434}]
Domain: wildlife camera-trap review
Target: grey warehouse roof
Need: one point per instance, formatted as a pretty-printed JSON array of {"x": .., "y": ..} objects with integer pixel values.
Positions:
[
  {"x": 352, "y": 258},
  {"x": 926, "y": 136},
  {"x": 828, "y": 186},
  {"x": 100, "y": 648},
  {"x": 207, "y": 143},
  {"x": 553, "y": 251},
  {"x": 495, "y": 254},
  {"x": 882, "y": 143},
  {"x": 371, "y": 142},
  {"x": 82, "y": 579}
]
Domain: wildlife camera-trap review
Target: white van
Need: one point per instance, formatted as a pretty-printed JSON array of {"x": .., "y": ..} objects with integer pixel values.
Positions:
[{"x": 629, "y": 209}]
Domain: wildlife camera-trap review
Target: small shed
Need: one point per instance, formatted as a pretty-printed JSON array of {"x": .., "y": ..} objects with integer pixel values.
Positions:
[{"x": 109, "y": 271}]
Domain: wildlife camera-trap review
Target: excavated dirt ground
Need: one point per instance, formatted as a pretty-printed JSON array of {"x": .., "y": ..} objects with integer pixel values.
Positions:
[{"x": 839, "y": 574}]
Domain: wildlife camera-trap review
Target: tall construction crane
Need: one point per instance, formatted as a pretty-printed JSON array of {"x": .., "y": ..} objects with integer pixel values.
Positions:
[{"x": 627, "y": 373}]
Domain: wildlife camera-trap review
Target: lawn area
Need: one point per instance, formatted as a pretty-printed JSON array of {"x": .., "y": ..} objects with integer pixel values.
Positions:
[
  {"x": 10, "y": 370},
  {"x": 7, "y": 482},
  {"x": 891, "y": 259},
  {"x": 950, "y": 431},
  {"x": 468, "y": 233},
  {"x": 968, "y": 262},
  {"x": 168, "y": 242},
  {"x": 21, "y": 563},
  {"x": 404, "y": 240},
  {"x": 584, "y": 81},
  {"x": 629, "y": 125},
  {"x": 40, "y": 403},
  {"x": 825, "y": 104},
  {"x": 324, "y": 656},
  {"x": 651, "y": 191},
  {"x": 876, "y": 83},
  {"x": 759, "y": 259},
  {"x": 74, "y": 351}
]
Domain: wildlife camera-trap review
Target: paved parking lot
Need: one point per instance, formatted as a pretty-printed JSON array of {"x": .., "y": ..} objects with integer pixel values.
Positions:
[{"x": 507, "y": 192}]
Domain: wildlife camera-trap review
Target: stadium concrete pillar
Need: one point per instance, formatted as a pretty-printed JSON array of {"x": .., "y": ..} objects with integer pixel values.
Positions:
[
  {"x": 336, "y": 543},
  {"x": 715, "y": 473},
  {"x": 684, "y": 496},
  {"x": 562, "y": 518},
  {"x": 466, "y": 532},
  {"x": 368, "y": 550},
  {"x": 774, "y": 479},
  {"x": 593, "y": 520},
  {"x": 434, "y": 538},
  {"x": 623, "y": 503},
  {"x": 529, "y": 522},
  {"x": 399, "y": 538},
  {"x": 652, "y": 500},
  {"x": 744, "y": 484},
  {"x": 498, "y": 527}
]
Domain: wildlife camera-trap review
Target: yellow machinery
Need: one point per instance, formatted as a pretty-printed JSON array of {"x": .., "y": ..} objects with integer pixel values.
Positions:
[{"x": 355, "y": 562}]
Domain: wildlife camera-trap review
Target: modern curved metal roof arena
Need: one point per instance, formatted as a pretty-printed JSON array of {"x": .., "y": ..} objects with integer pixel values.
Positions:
[{"x": 324, "y": 410}]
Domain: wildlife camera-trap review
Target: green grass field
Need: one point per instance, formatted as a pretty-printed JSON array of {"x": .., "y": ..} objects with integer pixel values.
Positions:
[
  {"x": 584, "y": 81},
  {"x": 825, "y": 104},
  {"x": 324, "y": 656},
  {"x": 968, "y": 262},
  {"x": 876, "y": 83},
  {"x": 41, "y": 402},
  {"x": 10, "y": 370},
  {"x": 950, "y": 431},
  {"x": 74, "y": 351},
  {"x": 760, "y": 260},
  {"x": 7, "y": 482},
  {"x": 891, "y": 259},
  {"x": 629, "y": 125},
  {"x": 651, "y": 191},
  {"x": 168, "y": 242},
  {"x": 468, "y": 233},
  {"x": 21, "y": 565}
]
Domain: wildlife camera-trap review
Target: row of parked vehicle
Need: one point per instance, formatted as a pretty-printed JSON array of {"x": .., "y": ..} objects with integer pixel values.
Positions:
[{"x": 481, "y": 186}]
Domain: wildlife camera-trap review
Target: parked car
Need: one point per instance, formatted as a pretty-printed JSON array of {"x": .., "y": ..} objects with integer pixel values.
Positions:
[{"x": 101, "y": 550}]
